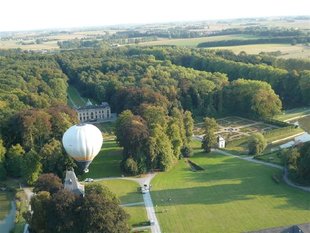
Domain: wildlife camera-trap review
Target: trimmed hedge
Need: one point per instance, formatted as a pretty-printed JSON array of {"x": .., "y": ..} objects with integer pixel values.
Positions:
[
  {"x": 279, "y": 131},
  {"x": 276, "y": 122},
  {"x": 278, "y": 40}
]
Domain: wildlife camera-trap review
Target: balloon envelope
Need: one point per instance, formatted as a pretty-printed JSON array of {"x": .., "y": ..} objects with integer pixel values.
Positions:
[{"x": 82, "y": 142}]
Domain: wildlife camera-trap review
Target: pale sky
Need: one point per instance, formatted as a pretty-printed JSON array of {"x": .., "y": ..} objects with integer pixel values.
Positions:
[{"x": 41, "y": 14}]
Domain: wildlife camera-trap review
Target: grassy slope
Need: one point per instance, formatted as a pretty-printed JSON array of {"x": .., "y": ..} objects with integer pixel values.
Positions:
[
  {"x": 231, "y": 195},
  {"x": 75, "y": 96},
  {"x": 296, "y": 112},
  {"x": 125, "y": 190},
  {"x": 305, "y": 123},
  {"x": 107, "y": 162}
]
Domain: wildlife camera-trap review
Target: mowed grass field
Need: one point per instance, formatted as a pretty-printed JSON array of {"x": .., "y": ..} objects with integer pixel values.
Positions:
[
  {"x": 287, "y": 50},
  {"x": 230, "y": 195},
  {"x": 126, "y": 191},
  {"x": 14, "y": 44},
  {"x": 107, "y": 162}
]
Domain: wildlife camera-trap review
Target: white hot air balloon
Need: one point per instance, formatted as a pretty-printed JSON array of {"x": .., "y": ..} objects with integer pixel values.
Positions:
[{"x": 82, "y": 142}]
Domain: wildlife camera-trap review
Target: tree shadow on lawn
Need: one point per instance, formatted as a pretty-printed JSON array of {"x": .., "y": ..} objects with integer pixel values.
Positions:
[
  {"x": 225, "y": 180},
  {"x": 226, "y": 193}
]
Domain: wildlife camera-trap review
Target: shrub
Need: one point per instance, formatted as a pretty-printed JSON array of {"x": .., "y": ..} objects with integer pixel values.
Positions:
[
  {"x": 257, "y": 144},
  {"x": 186, "y": 151},
  {"x": 130, "y": 167}
]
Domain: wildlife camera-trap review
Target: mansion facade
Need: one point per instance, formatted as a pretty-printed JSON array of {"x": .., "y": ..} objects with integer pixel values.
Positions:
[{"x": 93, "y": 113}]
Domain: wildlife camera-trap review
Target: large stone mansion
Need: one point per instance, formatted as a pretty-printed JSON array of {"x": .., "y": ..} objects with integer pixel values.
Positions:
[{"x": 93, "y": 113}]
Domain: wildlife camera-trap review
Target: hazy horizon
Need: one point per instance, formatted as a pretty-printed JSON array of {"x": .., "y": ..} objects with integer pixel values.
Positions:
[{"x": 20, "y": 15}]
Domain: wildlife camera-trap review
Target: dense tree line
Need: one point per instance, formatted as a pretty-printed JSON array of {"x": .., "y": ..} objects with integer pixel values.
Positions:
[
  {"x": 264, "y": 31},
  {"x": 203, "y": 82},
  {"x": 128, "y": 74},
  {"x": 271, "y": 59},
  {"x": 277, "y": 40},
  {"x": 116, "y": 75},
  {"x": 285, "y": 82},
  {"x": 33, "y": 115}
]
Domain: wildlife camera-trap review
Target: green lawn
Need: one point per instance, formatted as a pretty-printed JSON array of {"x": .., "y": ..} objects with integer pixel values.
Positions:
[
  {"x": 125, "y": 190},
  {"x": 107, "y": 162},
  {"x": 230, "y": 195},
  {"x": 270, "y": 138},
  {"x": 292, "y": 113},
  {"x": 137, "y": 215},
  {"x": 238, "y": 147},
  {"x": 107, "y": 129}
]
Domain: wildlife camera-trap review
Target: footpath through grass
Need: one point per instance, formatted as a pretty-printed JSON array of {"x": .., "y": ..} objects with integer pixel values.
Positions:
[{"x": 230, "y": 195}]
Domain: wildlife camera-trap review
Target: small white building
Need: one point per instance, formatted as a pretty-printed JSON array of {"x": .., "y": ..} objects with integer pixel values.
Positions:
[{"x": 220, "y": 142}]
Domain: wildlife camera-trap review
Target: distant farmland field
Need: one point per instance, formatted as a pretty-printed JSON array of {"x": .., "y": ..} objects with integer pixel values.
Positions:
[
  {"x": 13, "y": 44},
  {"x": 287, "y": 50},
  {"x": 193, "y": 42}
]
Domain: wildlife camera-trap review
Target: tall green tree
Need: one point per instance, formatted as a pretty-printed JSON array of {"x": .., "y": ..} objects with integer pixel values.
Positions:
[
  {"x": 31, "y": 167},
  {"x": 209, "y": 138},
  {"x": 14, "y": 160},
  {"x": 160, "y": 149},
  {"x": 257, "y": 144},
  {"x": 40, "y": 205},
  {"x": 64, "y": 211},
  {"x": 2, "y": 161},
  {"x": 101, "y": 212},
  {"x": 48, "y": 182},
  {"x": 189, "y": 126},
  {"x": 174, "y": 134},
  {"x": 54, "y": 160}
]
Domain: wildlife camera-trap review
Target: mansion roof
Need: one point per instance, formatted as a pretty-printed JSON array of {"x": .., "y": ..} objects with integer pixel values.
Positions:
[{"x": 89, "y": 105}]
